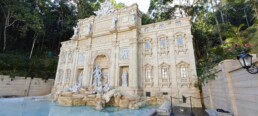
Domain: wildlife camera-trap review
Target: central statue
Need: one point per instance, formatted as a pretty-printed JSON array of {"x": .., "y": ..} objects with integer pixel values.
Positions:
[{"x": 97, "y": 75}]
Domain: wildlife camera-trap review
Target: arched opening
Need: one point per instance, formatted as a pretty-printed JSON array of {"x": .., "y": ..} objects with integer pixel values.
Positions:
[{"x": 102, "y": 62}]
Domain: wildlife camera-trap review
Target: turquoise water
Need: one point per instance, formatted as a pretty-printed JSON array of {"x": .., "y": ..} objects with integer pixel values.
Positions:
[{"x": 21, "y": 107}]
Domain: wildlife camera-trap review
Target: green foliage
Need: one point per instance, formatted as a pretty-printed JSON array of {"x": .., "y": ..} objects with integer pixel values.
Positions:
[
  {"x": 18, "y": 64},
  {"x": 231, "y": 27}
]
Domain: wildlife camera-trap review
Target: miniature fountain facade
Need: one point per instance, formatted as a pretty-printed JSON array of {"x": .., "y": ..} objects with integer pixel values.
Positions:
[{"x": 112, "y": 50}]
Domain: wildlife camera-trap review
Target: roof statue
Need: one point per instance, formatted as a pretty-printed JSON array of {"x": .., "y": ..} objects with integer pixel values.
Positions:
[{"x": 106, "y": 8}]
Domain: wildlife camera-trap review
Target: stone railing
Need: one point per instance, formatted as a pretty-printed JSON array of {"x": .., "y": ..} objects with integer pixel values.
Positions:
[{"x": 21, "y": 86}]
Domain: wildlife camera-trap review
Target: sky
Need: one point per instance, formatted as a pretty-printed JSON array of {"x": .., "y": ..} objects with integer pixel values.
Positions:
[{"x": 142, "y": 4}]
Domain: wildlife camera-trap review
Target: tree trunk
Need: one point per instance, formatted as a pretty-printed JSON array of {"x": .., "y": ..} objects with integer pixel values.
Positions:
[
  {"x": 217, "y": 22},
  {"x": 33, "y": 44},
  {"x": 4, "y": 34},
  {"x": 255, "y": 8}
]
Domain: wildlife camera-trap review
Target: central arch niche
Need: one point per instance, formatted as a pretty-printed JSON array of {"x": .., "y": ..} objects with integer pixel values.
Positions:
[{"x": 103, "y": 63}]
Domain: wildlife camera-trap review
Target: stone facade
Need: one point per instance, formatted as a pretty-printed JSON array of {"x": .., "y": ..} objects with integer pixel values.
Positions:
[{"x": 158, "y": 58}]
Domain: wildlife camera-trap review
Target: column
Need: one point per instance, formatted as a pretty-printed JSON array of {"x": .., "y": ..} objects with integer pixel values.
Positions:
[
  {"x": 133, "y": 67},
  {"x": 112, "y": 75}
]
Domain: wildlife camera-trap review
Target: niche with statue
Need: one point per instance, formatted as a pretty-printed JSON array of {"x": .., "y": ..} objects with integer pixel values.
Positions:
[{"x": 124, "y": 76}]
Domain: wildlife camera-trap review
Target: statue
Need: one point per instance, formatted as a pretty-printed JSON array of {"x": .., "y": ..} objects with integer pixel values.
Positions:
[
  {"x": 114, "y": 22},
  {"x": 79, "y": 81},
  {"x": 100, "y": 89},
  {"x": 97, "y": 76},
  {"x": 75, "y": 32},
  {"x": 106, "y": 8},
  {"x": 106, "y": 87},
  {"x": 124, "y": 79},
  {"x": 76, "y": 87}
]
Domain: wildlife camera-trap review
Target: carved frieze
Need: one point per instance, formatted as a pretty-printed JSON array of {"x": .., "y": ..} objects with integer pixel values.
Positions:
[
  {"x": 124, "y": 53},
  {"x": 81, "y": 59}
]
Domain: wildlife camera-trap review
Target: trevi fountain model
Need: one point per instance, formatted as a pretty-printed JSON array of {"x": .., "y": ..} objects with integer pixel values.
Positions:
[{"x": 113, "y": 60}]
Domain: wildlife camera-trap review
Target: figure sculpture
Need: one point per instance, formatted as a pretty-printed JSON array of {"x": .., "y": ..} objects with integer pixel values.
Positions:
[
  {"x": 106, "y": 87},
  {"x": 79, "y": 81},
  {"x": 124, "y": 79},
  {"x": 97, "y": 77},
  {"x": 76, "y": 87},
  {"x": 75, "y": 32}
]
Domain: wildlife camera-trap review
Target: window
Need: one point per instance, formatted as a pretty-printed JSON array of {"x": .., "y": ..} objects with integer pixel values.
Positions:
[
  {"x": 164, "y": 72},
  {"x": 162, "y": 43},
  {"x": 165, "y": 93},
  {"x": 148, "y": 94},
  {"x": 180, "y": 41},
  {"x": 148, "y": 74},
  {"x": 147, "y": 45},
  {"x": 183, "y": 72}
]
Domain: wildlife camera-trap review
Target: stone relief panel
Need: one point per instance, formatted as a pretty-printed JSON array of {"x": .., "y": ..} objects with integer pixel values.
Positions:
[
  {"x": 124, "y": 53},
  {"x": 81, "y": 59},
  {"x": 147, "y": 45},
  {"x": 164, "y": 76},
  {"x": 180, "y": 43},
  {"x": 183, "y": 71},
  {"x": 148, "y": 75},
  {"x": 163, "y": 45}
]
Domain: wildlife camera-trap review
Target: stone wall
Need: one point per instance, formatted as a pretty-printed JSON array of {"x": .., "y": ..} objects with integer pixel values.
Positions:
[
  {"x": 21, "y": 86},
  {"x": 233, "y": 89}
]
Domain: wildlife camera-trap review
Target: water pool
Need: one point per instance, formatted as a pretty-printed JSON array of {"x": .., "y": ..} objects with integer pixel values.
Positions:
[{"x": 25, "y": 107}]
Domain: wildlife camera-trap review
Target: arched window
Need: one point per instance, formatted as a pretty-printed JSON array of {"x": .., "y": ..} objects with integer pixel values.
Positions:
[
  {"x": 163, "y": 43},
  {"x": 147, "y": 45},
  {"x": 183, "y": 72},
  {"x": 183, "y": 69},
  {"x": 164, "y": 72},
  {"x": 180, "y": 40},
  {"x": 148, "y": 75},
  {"x": 164, "y": 78}
]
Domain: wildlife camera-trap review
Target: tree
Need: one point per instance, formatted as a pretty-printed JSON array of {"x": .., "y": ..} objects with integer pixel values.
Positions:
[{"x": 11, "y": 10}]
